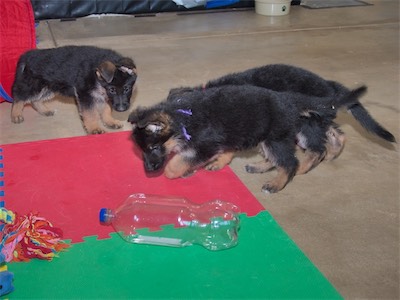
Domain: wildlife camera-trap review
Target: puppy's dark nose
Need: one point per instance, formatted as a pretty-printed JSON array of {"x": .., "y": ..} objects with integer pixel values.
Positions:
[
  {"x": 153, "y": 161},
  {"x": 121, "y": 107},
  {"x": 152, "y": 166}
]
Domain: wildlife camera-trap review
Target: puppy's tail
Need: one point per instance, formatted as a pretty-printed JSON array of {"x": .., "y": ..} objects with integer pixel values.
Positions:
[{"x": 353, "y": 105}]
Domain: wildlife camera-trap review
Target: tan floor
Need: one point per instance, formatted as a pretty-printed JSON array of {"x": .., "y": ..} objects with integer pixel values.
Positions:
[{"x": 345, "y": 214}]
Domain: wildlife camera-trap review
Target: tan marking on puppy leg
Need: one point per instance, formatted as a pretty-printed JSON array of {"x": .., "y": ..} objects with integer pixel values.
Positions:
[
  {"x": 335, "y": 143},
  {"x": 42, "y": 109},
  {"x": 312, "y": 159},
  {"x": 259, "y": 167},
  {"x": 16, "y": 111},
  {"x": 170, "y": 145},
  {"x": 221, "y": 161},
  {"x": 176, "y": 167},
  {"x": 278, "y": 183},
  {"x": 91, "y": 121},
  {"x": 108, "y": 120}
]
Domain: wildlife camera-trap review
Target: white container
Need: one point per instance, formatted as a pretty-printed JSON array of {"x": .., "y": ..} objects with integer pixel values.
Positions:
[{"x": 272, "y": 7}]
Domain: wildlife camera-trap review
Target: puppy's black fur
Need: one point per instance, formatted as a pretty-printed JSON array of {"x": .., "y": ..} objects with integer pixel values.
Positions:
[
  {"x": 279, "y": 77},
  {"x": 204, "y": 125},
  {"x": 97, "y": 78}
]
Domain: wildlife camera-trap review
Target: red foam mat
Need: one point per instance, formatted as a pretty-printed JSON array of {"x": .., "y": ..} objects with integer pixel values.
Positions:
[{"x": 68, "y": 180}]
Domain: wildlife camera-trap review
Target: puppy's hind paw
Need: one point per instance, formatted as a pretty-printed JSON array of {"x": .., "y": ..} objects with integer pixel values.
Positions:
[
  {"x": 250, "y": 169},
  {"x": 269, "y": 189}
]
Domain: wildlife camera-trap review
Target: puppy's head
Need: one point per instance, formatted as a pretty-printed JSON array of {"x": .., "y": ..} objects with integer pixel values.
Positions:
[
  {"x": 118, "y": 81},
  {"x": 152, "y": 132}
]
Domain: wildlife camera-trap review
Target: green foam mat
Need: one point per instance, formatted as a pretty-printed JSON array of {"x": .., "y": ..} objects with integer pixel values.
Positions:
[{"x": 266, "y": 264}]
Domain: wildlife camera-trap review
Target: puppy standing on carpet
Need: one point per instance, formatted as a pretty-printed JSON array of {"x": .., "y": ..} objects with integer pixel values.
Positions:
[
  {"x": 209, "y": 126},
  {"x": 99, "y": 80}
]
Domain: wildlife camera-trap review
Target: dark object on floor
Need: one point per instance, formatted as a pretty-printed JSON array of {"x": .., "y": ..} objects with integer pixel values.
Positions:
[
  {"x": 50, "y": 9},
  {"x": 315, "y": 4}
]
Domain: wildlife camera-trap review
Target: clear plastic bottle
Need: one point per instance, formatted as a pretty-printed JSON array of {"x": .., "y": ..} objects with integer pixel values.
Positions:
[{"x": 176, "y": 222}]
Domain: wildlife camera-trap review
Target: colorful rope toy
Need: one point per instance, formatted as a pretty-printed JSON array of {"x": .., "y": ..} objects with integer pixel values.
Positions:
[{"x": 29, "y": 236}]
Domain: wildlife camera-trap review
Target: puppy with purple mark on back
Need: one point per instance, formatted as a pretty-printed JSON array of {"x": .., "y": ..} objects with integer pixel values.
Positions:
[
  {"x": 207, "y": 127},
  {"x": 99, "y": 79},
  {"x": 319, "y": 138}
]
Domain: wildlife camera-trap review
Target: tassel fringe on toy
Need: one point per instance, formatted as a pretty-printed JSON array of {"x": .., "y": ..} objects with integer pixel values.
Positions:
[{"x": 29, "y": 236}]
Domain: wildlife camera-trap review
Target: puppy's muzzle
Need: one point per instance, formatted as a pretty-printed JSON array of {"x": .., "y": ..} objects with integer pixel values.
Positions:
[
  {"x": 154, "y": 159},
  {"x": 121, "y": 103}
]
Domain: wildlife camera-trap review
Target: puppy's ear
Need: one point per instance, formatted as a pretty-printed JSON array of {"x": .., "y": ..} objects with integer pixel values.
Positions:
[
  {"x": 133, "y": 118},
  {"x": 127, "y": 65},
  {"x": 106, "y": 71},
  {"x": 153, "y": 123},
  {"x": 152, "y": 127},
  {"x": 176, "y": 93}
]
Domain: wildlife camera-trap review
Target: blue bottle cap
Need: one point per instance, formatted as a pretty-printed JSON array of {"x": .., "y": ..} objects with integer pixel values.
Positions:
[{"x": 104, "y": 216}]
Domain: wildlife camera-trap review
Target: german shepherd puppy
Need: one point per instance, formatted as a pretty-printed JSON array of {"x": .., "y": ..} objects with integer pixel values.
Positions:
[
  {"x": 97, "y": 78},
  {"x": 209, "y": 126},
  {"x": 286, "y": 78}
]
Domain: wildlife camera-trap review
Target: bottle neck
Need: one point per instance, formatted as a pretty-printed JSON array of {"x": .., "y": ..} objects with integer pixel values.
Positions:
[{"x": 106, "y": 216}]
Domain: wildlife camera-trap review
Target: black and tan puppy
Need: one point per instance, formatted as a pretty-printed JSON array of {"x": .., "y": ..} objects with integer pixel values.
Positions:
[
  {"x": 99, "y": 79},
  {"x": 212, "y": 124},
  {"x": 286, "y": 78}
]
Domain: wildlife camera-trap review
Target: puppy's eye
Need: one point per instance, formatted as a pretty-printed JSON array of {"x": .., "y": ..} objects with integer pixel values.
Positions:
[
  {"x": 154, "y": 147},
  {"x": 112, "y": 90},
  {"x": 127, "y": 89}
]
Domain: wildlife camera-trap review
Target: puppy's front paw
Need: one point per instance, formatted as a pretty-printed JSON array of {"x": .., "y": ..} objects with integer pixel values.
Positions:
[
  {"x": 97, "y": 131},
  {"x": 260, "y": 167},
  {"x": 114, "y": 125},
  {"x": 48, "y": 113},
  {"x": 188, "y": 174},
  {"x": 171, "y": 174},
  {"x": 175, "y": 170},
  {"x": 220, "y": 161},
  {"x": 17, "y": 119},
  {"x": 213, "y": 166},
  {"x": 42, "y": 108}
]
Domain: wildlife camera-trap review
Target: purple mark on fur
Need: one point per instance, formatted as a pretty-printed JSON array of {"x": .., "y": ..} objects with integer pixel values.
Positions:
[
  {"x": 186, "y": 134},
  {"x": 185, "y": 111}
]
